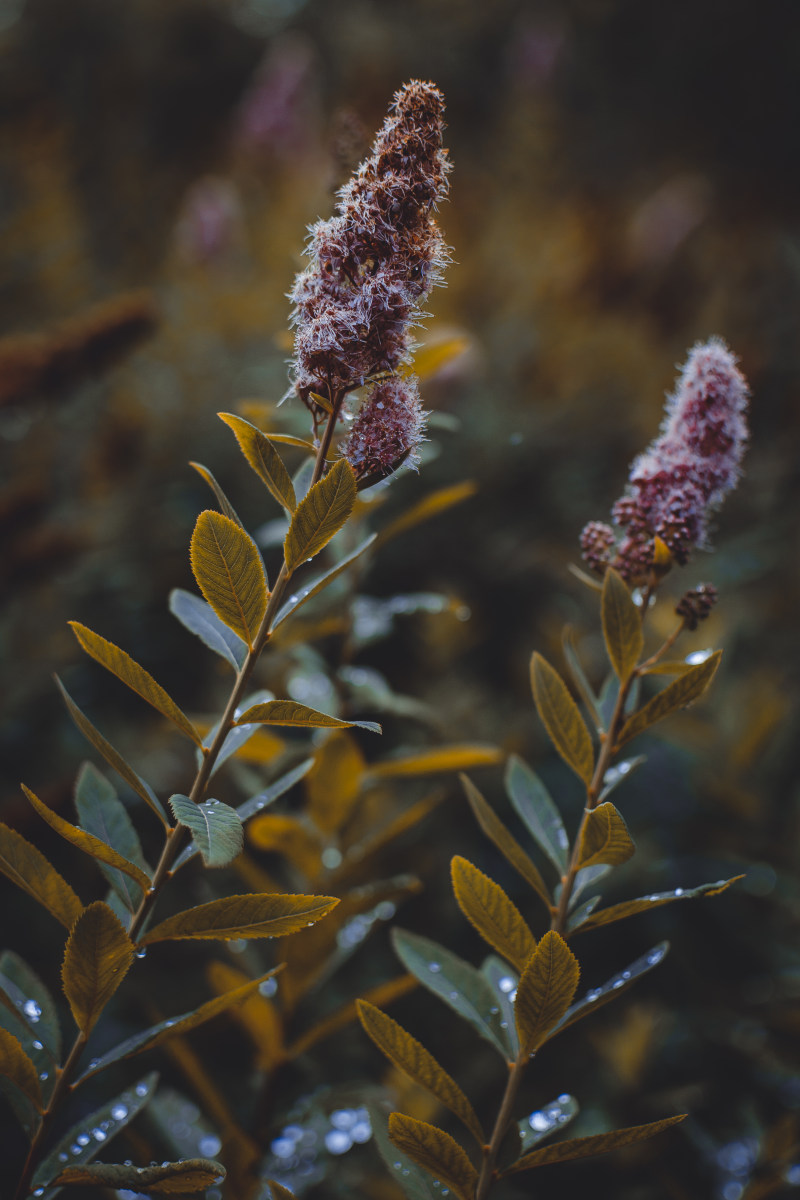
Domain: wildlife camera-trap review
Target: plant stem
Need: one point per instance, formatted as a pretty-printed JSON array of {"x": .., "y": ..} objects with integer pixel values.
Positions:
[
  {"x": 64, "y": 1075},
  {"x": 487, "y": 1175}
]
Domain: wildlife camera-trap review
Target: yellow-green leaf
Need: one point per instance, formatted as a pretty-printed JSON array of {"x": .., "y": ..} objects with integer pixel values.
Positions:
[
  {"x": 432, "y": 762},
  {"x": 605, "y": 838},
  {"x": 436, "y": 1151},
  {"x": 432, "y": 356},
  {"x": 678, "y": 694},
  {"x": 622, "y": 624},
  {"x": 16, "y": 1066},
  {"x": 284, "y": 834},
  {"x": 222, "y": 499},
  {"x": 488, "y": 908},
  {"x": 263, "y": 458},
  {"x": 630, "y": 908},
  {"x": 28, "y": 868},
  {"x": 505, "y": 842},
  {"x": 437, "y": 502},
  {"x": 289, "y": 712},
  {"x": 229, "y": 572},
  {"x": 321, "y": 514},
  {"x": 169, "y": 1179},
  {"x": 561, "y": 718},
  {"x": 267, "y": 914},
  {"x": 334, "y": 782},
  {"x": 129, "y": 671},
  {"x": 545, "y": 990},
  {"x": 585, "y": 1147},
  {"x": 97, "y": 958},
  {"x": 87, "y": 842},
  {"x": 279, "y": 1192},
  {"x": 405, "y": 1052},
  {"x": 384, "y": 993}
]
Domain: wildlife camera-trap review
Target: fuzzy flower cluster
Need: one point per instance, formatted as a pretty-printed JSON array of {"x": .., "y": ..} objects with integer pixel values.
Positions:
[
  {"x": 388, "y": 428},
  {"x": 684, "y": 474}
]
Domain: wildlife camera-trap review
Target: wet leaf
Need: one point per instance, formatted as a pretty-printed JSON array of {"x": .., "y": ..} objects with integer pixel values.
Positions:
[
  {"x": 289, "y": 712},
  {"x": 585, "y": 878},
  {"x": 32, "y": 999},
  {"x": 255, "y": 915},
  {"x": 28, "y": 868},
  {"x": 617, "y": 774},
  {"x": 168, "y": 1179},
  {"x": 535, "y": 808},
  {"x": 102, "y": 814},
  {"x": 87, "y": 841},
  {"x": 334, "y": 782},
  {"x": 436, "y": 1151},
  {"x": 622, "y": 624},
  {"x": 416, "y": 1183},
  {"x": 547, "y": 1120},
  {"x": 97, "y": 958},
  {"x": 585, "y": 1147},
  {"x": 433, "y": 504},
  {"x": 488, "y": 908},
  {"x": 222, "y": 499},
  {"x": 456, "y": 982},
  {"x": 263, "y": 458},
  {"x": 579, "y": 678},
  {"x": 410, "y": 1056},
  {"x": 503, "y": 982},
  {"x": 598, "y": 997},
  {"x": 681, "y": 692},
  {"x": 579, "y": 915},
  {"x": 431, "y": 762},
  {"x": 228, "y": 569},
  {"x": 605, "y": 838},
  {"x": 562, "y": 720},
  {"x": 545, "y": 990},
  {"x": 505, "y": 842},
  {"x": 216, "y": 829},
  {"x": 629, "y": 908},
  {"x": 321, "y": 514},
  {"x": 16, "y": 1066},
  {"x": 123, "y": 666},
  {"x": 315, "y": 586},
  {"x": 200, "y": 619},
  {"x": 112, "y": 757}
]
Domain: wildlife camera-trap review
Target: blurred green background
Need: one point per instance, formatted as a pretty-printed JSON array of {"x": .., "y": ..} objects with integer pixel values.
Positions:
[{"x": 626, "y": 182}]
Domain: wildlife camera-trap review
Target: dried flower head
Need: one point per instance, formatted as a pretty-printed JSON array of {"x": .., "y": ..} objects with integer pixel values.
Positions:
[
  {"x": 685, "y": 473},
  {"x": 387, "y": 431},
  {"x": 695, "y": 605}
]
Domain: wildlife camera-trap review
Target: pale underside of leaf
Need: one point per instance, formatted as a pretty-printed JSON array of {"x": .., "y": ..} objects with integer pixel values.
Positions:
[
  {"x": 216, "y": 829},
  {"x": 629, "y": 908},
  {"x": 315, "y": 586}
]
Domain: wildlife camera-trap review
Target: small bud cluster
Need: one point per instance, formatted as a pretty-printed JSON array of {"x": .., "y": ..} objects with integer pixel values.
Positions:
[
  {"x": 697, "y": 604},
  {"x": 684, "y": 474},
  {"x": 386, "y": 432}
]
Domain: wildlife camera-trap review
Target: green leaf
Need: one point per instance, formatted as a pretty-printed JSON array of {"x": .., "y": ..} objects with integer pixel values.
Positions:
[
  {"x": 123, "y": 666},
  {"x": 229, "y": 573},
  {"x": 496, "y": 918},
  {"x": 16, "y": 1066},
  {"x": 112, "y": 757},
  {"x": 176, "y": 1178},
  {"x": 200, "y": 619},
  {"x": 545, "y": 990},
  {"x": 416, "y": 1183},
  {"x": 586, "y": 1147},
  {"x": 410, "y": 1056},
  {"x": 629, "y": 908},
  {"x": 436, "y": 1151},
  {"x": 216, "y": 829},
  {"x": 456, "y": 982},
  {"x": 28, "y": 868},
  {"x": 108, "y": 1120},
  {"x": 87, "y": 842},
  {"x": 617, "y": 774},
  {"x": 33, "y": 1000},
  {"x": 549, "y": 1119},
  {"x": 579, "y": 679},
  {"x": 309, "y": 590},
  {"x": 289, "y": 712},
  {"x": 562, "y": 720},
  {"x": 268, "y": 914},
  {"x": 598, "y": 997},
  {"x": 535, "y": 808},
  {"x": 605, "y": 838},
  {"x": 505, "y": 842},
  {"x": 222, "y": 499},
  {"x": 23, "y": 1108},
  {"x": 97, "y": 958},
  {"x": 622, "y": 625},
  {"x": 503, "y": 982},
  {"x": 263, "y": 458},
  {"x": 681, "y": 692},
  {"x": 103, "y": 815},
  {"x": 321, "y": 514}
]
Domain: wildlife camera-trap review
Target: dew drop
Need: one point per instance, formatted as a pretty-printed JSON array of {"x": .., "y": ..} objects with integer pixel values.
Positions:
[
  {"x": 434, "y": 967},
  {"x": 32, "y": 1011},
  {"x": 83, "y": 1139},
  {"x": 565, "y": 1098},
  {"x": 494, "y": 1011},
  {"x": 655, "y": 956},
  {"x": 539, "y": 1122},
  {"x": 268, "y": 988},
  {"x": 282, "y": 1147},
  {"x": 361, "y": 1132},
  {"x": 141, "y": 1089},
  {"x": 38, "y": 1046},
  {"x": 209, "y": 1145},
  {"x": 337, "y": 1141},
  {"x": 43, "y": 1075},
  {"x": 93, "y": 1063},
  {"x": 504, "y": 1024},
  {"x": 343, "y": 1118},
  {"x": 506, "y": 984},
  {"x": 678, "y": 892},
  {"x": 397, "y": 1166},
  {"x": 99, "y": 1135},
  {"x": 119, "y": 1112},
  {"x": 74, "y": 1149},
  {"x": 63, "y": 1156},
  {"x": 142, "y": 953},
  {"x": 593, "y": 994},
  {"x": 39, "y": 1192},
  {"x": 618, "y": 982},
  {"x": 454, "y": 995}
]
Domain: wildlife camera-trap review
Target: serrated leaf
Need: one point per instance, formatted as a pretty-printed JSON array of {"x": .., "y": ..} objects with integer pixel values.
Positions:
[
  {"x": 629, "y": 908},
  {"x": 578, "y": 674},
  {"x": 229, "y": 572},
  {"x": 256, "y": 915},
  {"x": 321, "y": 514},
  {"x": 456, "y": 982},
  {"x": 496, "y": 918},
  {"x": 97, "y": 958},
  {"x": 16, "y": 1066},
  {"x": 109, "y": 1120},
  {"x": 216, "y": 829},
  {"x": 622, "y": 624},
  {"x": 545, "y": 990},
  {"x": 28, "y": 868},
  {"x": 112, "y": 757},
  {"x": 33, "y": 1001},
  {"x": 505, "y": 842},
  {"x": 169, "y": 1179},
  {"x": 410, "y": 1056},
  {"x": 598, "y": 997},
  {"x": 586, "y": 1147},
  {"x": 87, "y": 842},
  {"x": 263, "y": 458},
  {"x": 436, "y": 1151},
  {"x": 289, "y": 712},
  {"x": 200, "y": 619},
  {"x": 104, "y": 816},
  {"x": 535, "y": 808},
  {"x": 681, "y": 692},
  {"x": 222, "y": 499},
  {"x": 605, "y": 838},
  {"x": 561, "y": 718},
  {"x": 432, "y": 762},
  {"x": 125, "y": 668},
  {"x": 416, "y": 1183},
  {"x": 308, "y": 591},
  {"x": 433, "y": 504}
]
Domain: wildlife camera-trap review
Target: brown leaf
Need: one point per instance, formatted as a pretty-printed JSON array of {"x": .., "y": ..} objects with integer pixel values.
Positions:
[
  {"x": 488, "y": 908},
  {"x": 251, "y": 916},
  {"x": 16, "y": 1066},
  {"x": 585, "y": 1147},
  {"x": 622, "y": 624},
  {"x": 321, "y": 514},
  {"x": 561, "y": 718},
  {"x": 98, "y": 956},
  {"x": 28, "y": 868},
  {"x": 605, "y": 838},
  {"x": 505, "y": 842},
  {"x": 681, "y": 692},
  {"x": 229, "y": 572},
  {"x": 436, "y": 1151},
  {"x": 263, "y": 458},
  {"x": 545, "y": 990}
]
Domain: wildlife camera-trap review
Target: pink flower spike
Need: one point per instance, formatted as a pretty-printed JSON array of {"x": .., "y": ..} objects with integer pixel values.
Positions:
[{"x": 386, "y": 432}]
